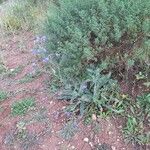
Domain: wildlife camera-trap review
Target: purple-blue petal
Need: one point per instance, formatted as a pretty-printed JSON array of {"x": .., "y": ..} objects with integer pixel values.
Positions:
[{"x": 46, "y": 60}]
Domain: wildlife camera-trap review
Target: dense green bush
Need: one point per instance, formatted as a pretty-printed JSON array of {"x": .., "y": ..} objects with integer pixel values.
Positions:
[
  {"x": 85, "y": 34},
  {"x": 80, "y": 31}
]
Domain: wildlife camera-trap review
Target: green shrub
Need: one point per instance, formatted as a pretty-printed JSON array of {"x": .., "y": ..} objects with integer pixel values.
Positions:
[
  {"x": 80, "y": 30},
  {"x": 83, "y": 34}
]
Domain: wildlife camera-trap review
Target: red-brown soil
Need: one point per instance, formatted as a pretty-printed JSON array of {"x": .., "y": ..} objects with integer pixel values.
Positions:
[{"x": 17, "y": 52}]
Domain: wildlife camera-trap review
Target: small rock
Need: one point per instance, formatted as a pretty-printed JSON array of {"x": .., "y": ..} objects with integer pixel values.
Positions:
[
  {"x": 94, "y": 118},
  {"x": 12, "y": 70},
  {"x": 63, "y": 107},
  {"x": 51, "y": 102},
  {"x": 72, "y": 147},
  {"x": 113, "y": 148},
  {"x": 120, "y": 127},
  {"x": 86, "y": 140},
  {"x": 90, "y": 143}
]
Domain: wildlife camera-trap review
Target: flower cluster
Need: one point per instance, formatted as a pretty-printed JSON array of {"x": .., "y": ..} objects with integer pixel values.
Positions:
[
  {"x": 40, "y": 39},
  {"x": 40, "y": 51}
]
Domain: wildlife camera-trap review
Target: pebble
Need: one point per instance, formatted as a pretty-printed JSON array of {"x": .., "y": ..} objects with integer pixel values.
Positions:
[
  {"x": 90, "y": 143},
  {"x": 86, "y": 140},
  {"x": 72, "y": 147},
  {"x": 109, "y": 132},
  {"x": 120, "y": 127},
  {"x": 94, "y": 118},
  {"x": 113, "y": 148},
  {"x": 51, "y": 102},
  {"x": 12, "y": 70}
]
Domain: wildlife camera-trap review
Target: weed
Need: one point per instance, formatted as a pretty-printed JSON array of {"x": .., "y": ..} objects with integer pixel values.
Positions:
[
  {"x": 9, "y": 138},
  {"x": 97, "y": 93},
  {"x": 143, "y": 102},
  {"x": 21, "y": 107},
  {"x": 96, "y": 128},
  {"x": 104, "y": 146},
  {"x": 69, "y": 130},
  {"x": 87, "y": 120},
  {"x": 26, "y": 140},
  {"x": 30, "y": 77},
  {"x": 29, "y": 141},
  {"x": 14, "y": 72},
  {"x": 131, "y": 131},
  {"x": 41, "y": 116},
  {"x": 2, "y": 68},
  {"x": 3, "y": 95},
  {"x": 135, "y": 130}
]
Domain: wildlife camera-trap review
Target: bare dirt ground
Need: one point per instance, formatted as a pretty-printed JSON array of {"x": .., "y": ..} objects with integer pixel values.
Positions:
[{"x": 44, "y": 122}]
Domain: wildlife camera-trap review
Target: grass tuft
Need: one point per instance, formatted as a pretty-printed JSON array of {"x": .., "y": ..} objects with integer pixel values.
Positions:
[{"x": 21, "y": 108}]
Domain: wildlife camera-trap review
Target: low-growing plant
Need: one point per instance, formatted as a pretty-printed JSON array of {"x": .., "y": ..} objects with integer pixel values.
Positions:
[
  {"x": 98, "y": 93},
  {"x": 2, "y": 66},
  {"x": 138, "y": 121},
  {"x": 3, "y": 95},
  {"x": 131, "y": 130},
  {"x": 30, "y": 77},
  {"x": 143, "y": 102},
  {"x": 21, "y": 107},
  {"x": 69, "y": 130},
  {"x": 13, "y": 72}
]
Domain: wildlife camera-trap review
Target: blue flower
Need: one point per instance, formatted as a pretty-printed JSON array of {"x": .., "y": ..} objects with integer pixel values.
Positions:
[
  {"x": 40, "y": 39},
  {"x": 37, "y": 39},
  {"x": 46, "y": 60},
  {"x": 43, "y": 38},
  {"x": 68, "y": 114},
  {"x": 34, "y": 64},
  {"x": 34, "y": 51},
  {"x": 75, "y": 125},
  {"x": 38, "y": 51}
]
